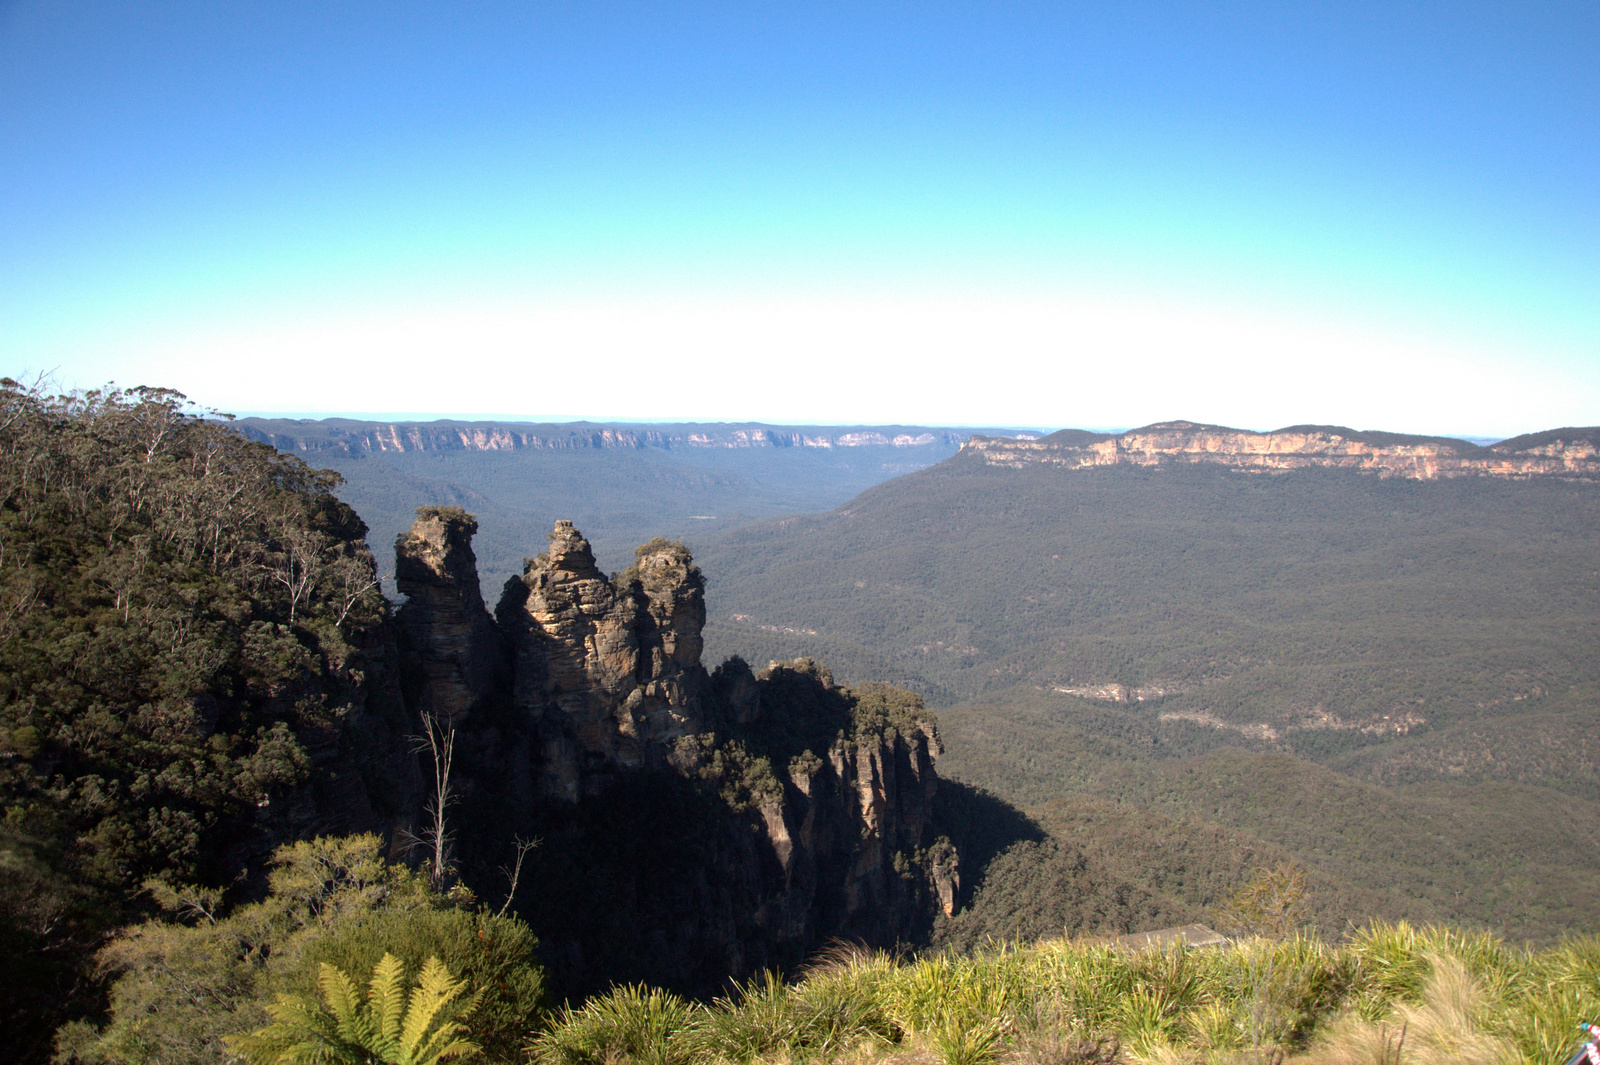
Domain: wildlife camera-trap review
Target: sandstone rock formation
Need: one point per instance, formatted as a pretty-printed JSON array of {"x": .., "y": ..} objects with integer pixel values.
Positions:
[
  {"x": 1562, "y": 452},
  {"x": 610, "y": 671},
  {"x": 697, "y": 826},
  {"x": 452, "y": 639},
  {"x": 303, "y": 437}
]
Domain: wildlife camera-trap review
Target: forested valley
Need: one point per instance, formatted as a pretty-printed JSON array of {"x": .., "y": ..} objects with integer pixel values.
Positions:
[
  {"x": 1391, "y": 681},
  {"x": 1347, "y": 720}
]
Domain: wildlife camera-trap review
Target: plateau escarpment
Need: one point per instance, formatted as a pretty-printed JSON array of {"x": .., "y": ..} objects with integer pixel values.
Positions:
[
  {"x": 1160, "y": 632},
  {"x": 1560, "y": 452},
  {"x": 696, "y": 825},
  {"x": 341, "y": 435},
  {"x": 622, "y": 483}
]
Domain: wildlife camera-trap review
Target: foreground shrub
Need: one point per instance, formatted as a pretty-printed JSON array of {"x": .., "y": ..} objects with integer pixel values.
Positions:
[
  {"x": 493, "y": 954},
  {"x": 1393, "y": 995},
  {"x": 183, "y": 984}
]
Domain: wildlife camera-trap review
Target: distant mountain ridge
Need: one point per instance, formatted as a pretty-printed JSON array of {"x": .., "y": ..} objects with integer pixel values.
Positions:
[
  {"x": 623, "y": 482},
  {"x": 346, "y": 435},
  {"x": 1567, "y": 452}
]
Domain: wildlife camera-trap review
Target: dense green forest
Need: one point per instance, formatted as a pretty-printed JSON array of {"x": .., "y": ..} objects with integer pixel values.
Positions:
[
  {"x": 1314, "y": 602},
  {"x": 158, "y": 563},
  {"x": 1393, "y": 681},
  {"x": 191, "y": 673}
]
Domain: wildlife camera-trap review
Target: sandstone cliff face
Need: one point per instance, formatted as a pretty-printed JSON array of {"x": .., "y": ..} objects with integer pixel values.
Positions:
[
  {"x": 852, "y": 832},
  {"x": 301, "y": 437},
  {"x": 893, "y": 778},
  {"x": 1300, "y": 447},
  {"x": 697, "y": 826}
]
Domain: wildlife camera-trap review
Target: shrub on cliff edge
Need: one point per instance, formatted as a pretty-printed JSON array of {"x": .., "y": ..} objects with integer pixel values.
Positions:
[{"x": 184, "y": 983}]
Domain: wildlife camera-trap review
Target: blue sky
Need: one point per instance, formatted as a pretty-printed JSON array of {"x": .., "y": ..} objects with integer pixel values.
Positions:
[{"x": 1379, "y": 215}]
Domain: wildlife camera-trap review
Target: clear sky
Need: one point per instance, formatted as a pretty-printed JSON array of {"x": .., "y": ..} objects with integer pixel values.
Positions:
[{"x": 1384, "y": 215}]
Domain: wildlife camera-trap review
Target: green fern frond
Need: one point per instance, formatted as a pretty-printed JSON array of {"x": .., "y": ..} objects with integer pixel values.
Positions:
[
  {"x": 387, "y": 1003},
  {"x": 431, "y": 1001},
  {"x": 388, "y": 1026},
  {"x": 434, "y": 991},
  {"x": 344, "y": 1003},
  {"x": 300, "y": 1034}
]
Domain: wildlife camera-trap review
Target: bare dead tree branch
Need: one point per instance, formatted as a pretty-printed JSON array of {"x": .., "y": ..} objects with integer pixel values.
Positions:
[
  {"x": 439, "y": 740},
  {"x": 514, "y": 874}
]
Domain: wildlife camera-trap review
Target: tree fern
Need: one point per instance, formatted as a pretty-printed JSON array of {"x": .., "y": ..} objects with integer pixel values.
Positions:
[
  {"x": 301, "y": 1033},
  {"x": 352, "y": 1024},
  {"x": 422, "y": 1040},
  {"x": 386, "y": 1003},
  {"x": 391, "y": 1025}
]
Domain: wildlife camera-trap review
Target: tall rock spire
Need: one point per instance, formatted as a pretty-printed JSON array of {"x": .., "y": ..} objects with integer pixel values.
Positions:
[
  {"x": 450, "y": 636},
  {"x": 609, "y": 669}
]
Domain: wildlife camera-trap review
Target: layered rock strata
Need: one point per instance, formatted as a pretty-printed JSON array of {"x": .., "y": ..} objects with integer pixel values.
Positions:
[{"x": 1569, "y": 453}]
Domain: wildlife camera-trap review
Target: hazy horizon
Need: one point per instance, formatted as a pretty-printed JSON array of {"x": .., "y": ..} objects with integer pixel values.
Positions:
[
  {"x": 563, "y": 420},
  {"x": 953, "y": 213}
]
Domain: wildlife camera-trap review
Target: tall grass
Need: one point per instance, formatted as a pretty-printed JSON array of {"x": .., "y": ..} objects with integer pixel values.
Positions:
[
  {"x": 631, "y": 1023},
  {"x": 1391, "y": 995}
]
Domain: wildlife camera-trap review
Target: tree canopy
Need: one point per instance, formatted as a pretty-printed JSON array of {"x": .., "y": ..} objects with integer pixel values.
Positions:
[{"x": 185, "y": 618}]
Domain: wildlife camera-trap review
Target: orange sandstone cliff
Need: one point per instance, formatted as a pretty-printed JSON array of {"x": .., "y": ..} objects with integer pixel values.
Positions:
[{"x": 1572, "y": 453}]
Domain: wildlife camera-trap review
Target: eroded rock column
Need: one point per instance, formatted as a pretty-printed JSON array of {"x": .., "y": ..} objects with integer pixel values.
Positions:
[
  {"x": 450, "y": 636},
  {"x": 609, "y": 670}
]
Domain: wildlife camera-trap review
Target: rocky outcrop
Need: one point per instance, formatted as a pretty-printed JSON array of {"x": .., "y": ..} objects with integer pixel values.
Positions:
[
  {"x": 853, "y": 831},
  {"x": 1112, "y": 692},
  {"x": 698, "y": 826},
  {"x": 448, "y": 635},
  {"x": 608, "y": 670},
  {"x": 1567, "y": 453}
]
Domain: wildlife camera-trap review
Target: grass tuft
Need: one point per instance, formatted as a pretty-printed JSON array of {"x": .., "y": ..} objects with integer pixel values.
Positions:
[{"x": 1392, "y": 995}]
